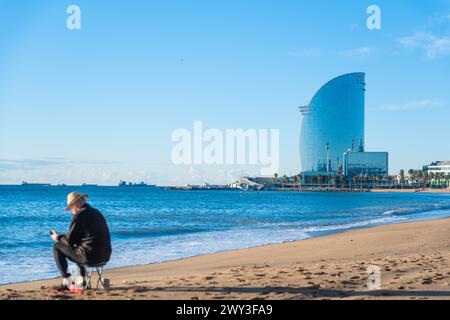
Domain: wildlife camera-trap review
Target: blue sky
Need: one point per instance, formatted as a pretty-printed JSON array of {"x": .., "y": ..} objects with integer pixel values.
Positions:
[{"x": 99, "y": 104}]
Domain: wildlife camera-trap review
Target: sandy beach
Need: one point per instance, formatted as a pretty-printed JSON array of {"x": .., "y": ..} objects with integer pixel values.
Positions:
[{"x": 413, "y": 259}]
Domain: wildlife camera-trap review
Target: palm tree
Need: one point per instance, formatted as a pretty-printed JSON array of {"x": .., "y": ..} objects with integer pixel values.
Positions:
[
  {"x": 412, "y": 176},
  {"x": 285, "y": 180},
  {"x": 275, "y": 178},
  {"x": 341, "y": 179},
  {"x": 333, "y": 180},
  {"x": 426, "y": 178},
  {"x": 402, "y": 177},
  {"x": 440, "y": 178},
  {"x": 354, "y": 179},
  {"x": 375, "y": 181},
  {"x": 319, "y": 179},
  {"x": 420, "y": 175},
  {"x": 298, "y": 179},
  {"x": 366, "y": 181}
]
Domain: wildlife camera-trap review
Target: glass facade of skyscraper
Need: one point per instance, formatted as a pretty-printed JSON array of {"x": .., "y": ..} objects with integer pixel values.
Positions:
[
  {"x": 333, "y": 123},
  {"x": 366, "y": 163}
]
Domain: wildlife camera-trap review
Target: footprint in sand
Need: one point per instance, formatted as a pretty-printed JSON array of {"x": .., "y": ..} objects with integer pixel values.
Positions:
[
  {"x": 114, "y": 294},
  {"x": 348, "y": 283},
  {"x": 439, "y": 276},
  {"x": 258, "y": 267},
  {"x": 141, "y": 289},
  {"x": 335, "y": 275}
]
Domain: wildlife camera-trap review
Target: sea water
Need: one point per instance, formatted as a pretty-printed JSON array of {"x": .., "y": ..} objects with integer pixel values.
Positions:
[{"x": 152, "y": 225}]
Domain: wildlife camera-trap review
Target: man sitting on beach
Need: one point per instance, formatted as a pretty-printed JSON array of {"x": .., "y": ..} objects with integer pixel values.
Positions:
[{"x": 87, "y": 242}]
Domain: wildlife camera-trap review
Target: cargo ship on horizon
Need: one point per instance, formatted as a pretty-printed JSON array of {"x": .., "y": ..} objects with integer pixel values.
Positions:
[
  {"x": 26, "y": 184},
  {"x": 131, "y": 184}
]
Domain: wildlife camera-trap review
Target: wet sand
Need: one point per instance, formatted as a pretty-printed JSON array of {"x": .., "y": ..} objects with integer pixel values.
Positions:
[{"x": 413, "y": 259}]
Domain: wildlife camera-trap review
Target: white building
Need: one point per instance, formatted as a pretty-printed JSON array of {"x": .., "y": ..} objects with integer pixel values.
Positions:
[{"x": 439, "y": 167}]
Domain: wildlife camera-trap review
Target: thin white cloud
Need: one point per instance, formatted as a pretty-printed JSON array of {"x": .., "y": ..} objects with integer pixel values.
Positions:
[
  {"x": 362, "y": 52},
  {"x": 439, "y": 21},
  {"x": 29, "y": 164},
  {"x": 414, "y": 104},
  {"x": 434, "y": 46},
  {"x": 306, "y": 53}
]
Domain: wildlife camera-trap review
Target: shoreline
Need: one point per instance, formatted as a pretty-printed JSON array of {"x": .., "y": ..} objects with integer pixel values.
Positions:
[
  {"x": 319, "y": 235},
  {"x": 427, "y": 190},
  {"x": 277, "y": 265}
]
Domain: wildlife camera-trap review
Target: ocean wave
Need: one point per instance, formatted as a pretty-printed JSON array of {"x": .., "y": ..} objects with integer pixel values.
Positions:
[
  {"x": 351, "y": 225},
  {"x": 156, "y": 232},
  {"x": 23, "y": 244},
  {"x": 422, "y": 209}
]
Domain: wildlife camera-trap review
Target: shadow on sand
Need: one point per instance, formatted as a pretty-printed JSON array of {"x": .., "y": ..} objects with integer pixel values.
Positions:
[{"x": 310, "y": 292}]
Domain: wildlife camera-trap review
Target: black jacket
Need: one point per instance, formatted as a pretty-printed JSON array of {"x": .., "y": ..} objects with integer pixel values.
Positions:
[{"x": 89, "y": 234}]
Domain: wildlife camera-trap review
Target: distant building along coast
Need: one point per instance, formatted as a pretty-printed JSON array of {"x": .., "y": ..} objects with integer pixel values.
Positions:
[
  {"x": 333, "y": 151},
  {"x": 438, "y": 167},
  {"x": 332, "y": 134}
]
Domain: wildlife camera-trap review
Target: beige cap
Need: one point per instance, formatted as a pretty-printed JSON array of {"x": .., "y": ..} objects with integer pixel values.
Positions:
[{"x": 72, "y": 197}]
